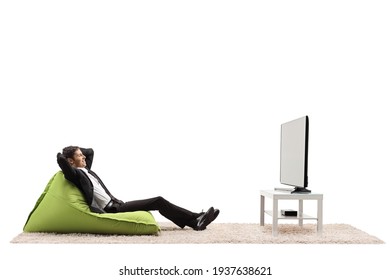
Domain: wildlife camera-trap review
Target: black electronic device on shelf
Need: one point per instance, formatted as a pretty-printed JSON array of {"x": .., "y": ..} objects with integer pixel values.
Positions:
[{"x": 289, "y": 212}]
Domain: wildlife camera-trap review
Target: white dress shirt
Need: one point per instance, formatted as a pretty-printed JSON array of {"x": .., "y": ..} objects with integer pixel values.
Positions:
[{"x": 100, "y": 197}]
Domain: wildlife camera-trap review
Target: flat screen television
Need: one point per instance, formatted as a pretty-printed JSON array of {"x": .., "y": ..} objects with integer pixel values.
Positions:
[{"x": 294, "y": 148}]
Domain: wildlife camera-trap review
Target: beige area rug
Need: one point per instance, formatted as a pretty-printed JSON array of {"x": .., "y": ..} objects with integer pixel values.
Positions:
[{"x": 225, "y": 233}]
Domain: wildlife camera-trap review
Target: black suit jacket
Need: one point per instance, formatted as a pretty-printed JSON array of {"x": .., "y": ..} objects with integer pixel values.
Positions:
[{"x": 81, "y": 180}]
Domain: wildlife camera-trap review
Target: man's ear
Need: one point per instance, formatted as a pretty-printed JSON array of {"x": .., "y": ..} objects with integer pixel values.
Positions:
[{"x": 71, "y": 161}]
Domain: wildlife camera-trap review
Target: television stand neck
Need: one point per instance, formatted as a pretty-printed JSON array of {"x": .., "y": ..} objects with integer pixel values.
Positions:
[{"x": 301, "y": 190}]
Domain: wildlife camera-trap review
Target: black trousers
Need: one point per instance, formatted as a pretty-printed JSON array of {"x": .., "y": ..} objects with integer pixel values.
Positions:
[{"x": 178, "y": 215}]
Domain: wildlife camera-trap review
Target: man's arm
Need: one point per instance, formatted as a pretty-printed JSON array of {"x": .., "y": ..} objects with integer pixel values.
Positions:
[
  {"x": 69, "y": 171},
  {"x": 88, "y": 153}
]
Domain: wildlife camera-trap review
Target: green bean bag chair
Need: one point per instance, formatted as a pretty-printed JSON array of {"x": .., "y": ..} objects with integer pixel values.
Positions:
[{"x": 62, "y": 209}]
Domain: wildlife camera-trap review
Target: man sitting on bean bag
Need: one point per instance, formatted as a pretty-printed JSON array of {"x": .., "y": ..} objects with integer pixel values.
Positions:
[{"x": 76, "y": 162}]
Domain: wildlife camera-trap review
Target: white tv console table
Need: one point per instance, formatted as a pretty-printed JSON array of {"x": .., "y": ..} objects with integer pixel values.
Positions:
[{"x": 286, "y": 195}]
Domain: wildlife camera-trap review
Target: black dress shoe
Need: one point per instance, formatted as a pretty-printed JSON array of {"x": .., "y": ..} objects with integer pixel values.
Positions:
[
  {"x": 216, "y": 213},
  {"x": 205, "y": 219}
]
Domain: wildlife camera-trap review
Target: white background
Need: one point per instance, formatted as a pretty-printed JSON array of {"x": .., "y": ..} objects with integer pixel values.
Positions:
[{"x": 185, "y": 100}]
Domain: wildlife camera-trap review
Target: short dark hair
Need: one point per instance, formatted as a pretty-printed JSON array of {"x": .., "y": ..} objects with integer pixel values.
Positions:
[{"x": 68, "y": 152}]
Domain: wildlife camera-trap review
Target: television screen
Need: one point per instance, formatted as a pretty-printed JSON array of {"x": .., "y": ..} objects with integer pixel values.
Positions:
[{"x": 294, "y": 153}]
